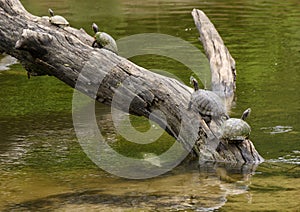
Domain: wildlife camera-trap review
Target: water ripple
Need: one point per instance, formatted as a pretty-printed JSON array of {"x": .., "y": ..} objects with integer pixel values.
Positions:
[
  {"x": 6, "y": 61},
  {"x": 277, "y": 129},
  {"x": 293, "y": 158}
]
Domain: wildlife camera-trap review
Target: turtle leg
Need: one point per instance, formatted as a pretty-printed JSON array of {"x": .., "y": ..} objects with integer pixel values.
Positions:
[
  {"x": 58, "y": 25},
  {"x": 93, "y": 45},
  {"x": 96, "y": 44}
]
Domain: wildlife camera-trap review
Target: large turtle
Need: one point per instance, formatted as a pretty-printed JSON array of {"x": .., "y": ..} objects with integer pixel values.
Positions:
[
  {"x": 57, "y": 19},
  {"x": 104, "y": 40},
  {"x": 236, "y": 130},
  {"x": 207, "y": 103}
]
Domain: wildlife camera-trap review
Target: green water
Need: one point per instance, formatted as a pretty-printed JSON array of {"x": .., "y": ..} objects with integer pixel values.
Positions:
[{"x": 43, "y": 168}]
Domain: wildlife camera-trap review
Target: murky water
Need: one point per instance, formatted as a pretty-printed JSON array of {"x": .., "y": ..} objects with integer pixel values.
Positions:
[{"x": 43, "y": 168}]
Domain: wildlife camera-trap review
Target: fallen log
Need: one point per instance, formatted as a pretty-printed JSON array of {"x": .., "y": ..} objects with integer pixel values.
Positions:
[{"x": 45, "y": 49}]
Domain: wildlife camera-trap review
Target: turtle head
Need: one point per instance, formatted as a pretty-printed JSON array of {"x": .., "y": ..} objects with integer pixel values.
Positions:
[
  {"x": 95, "y": 28},
  {"x": 98, "y": 38},
  {"x": 194, "y": 82},
  {"x": 97, "y": 35},
  {"x": 51, "y": 12},
  {"x": 246, "y": 113}
]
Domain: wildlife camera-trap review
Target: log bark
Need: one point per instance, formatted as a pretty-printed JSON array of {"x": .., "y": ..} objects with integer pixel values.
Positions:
[
  {"x": 66, "y": 54},
  {"x": 222, "y": 65}
]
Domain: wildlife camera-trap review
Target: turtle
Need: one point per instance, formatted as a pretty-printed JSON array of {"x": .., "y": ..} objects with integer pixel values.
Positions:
[
  {"x": 207, "y": 103},
  {"x": 104, "y": 40},
  {"x": 235, "y": 130},
  {"x": 57, "y": 20}
]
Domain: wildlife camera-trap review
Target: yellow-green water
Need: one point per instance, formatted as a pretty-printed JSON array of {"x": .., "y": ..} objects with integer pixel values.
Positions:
[{"x": 43, "y": 168}]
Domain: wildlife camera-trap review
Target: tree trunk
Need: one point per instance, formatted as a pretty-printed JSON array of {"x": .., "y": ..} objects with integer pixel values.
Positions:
[{"x": 66, "y": 53}]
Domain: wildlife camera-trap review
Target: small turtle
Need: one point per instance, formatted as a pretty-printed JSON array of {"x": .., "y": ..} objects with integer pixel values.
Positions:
[
  {"x": 236, "y": 130},
  {"x": 207, "y": 103},
  {"x": 57, "y": 20},
  {"x": 104, "y": 40}
]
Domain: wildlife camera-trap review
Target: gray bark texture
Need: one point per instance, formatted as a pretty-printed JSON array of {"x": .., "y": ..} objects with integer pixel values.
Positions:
[
  {"x": 66, "y": 53},
  {"x": 222, "y": 65}
]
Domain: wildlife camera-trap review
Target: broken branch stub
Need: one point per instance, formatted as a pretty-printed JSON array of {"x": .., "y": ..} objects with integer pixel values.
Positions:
[
  {"x": 65, "y": 52},
  {"x": 222, "y": 65}
]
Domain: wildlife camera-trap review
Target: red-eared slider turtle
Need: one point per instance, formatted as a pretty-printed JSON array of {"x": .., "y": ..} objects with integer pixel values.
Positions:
[
  {"x": 236, "y": 130},
  {"x": 57, "y": 19},
  {"x": 207, "y": 103},
  {"x": 104, "y": 40}
]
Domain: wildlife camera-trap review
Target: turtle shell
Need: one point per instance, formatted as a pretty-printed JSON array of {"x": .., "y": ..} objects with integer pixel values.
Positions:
[
  {"x": 58, "y": 20},
  {"x": 106, "y": 41},
  {"x": 234, "y": 130},
  {"x": 208, "y": 103}
]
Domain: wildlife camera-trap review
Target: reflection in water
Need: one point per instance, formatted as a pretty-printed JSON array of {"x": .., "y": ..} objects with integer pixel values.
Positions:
[
  {"x": 204, "y": 190},
  {"x": 15, "y": 151}
]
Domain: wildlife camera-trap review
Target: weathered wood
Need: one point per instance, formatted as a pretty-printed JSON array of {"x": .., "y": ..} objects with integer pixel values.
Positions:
[
  {"x": 66, "y": 53},
  {"x": 222, "y": 65}
]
